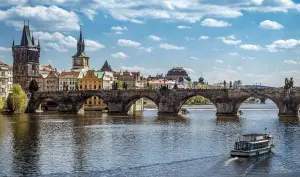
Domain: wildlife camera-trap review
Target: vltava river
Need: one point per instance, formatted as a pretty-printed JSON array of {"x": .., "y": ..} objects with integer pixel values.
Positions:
[{"x": 197, "y": 144}]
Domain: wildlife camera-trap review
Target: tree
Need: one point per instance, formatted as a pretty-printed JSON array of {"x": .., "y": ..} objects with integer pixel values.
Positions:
[
  {"x": 119, "y": 83},
  {"x": 2, "y": 103},
  {"x": 17, "y": 100},
  {"x": 152, "y": 86}
]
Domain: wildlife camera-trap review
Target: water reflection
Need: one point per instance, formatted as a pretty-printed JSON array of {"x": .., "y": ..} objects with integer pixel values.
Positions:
[
  {"x": 223, "y": 119},
  {"x": 172, "y": 120},
  {"x": 25, "y": 145},
  {"x": 289, "y": 120}
]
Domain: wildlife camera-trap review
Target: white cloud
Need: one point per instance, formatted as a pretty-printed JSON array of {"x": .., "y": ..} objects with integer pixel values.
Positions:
[
  {"x": 119, "y": 28},
  {"x": 146, "y": 49},
  {"x": 42, "y": 18},
  {"x": 89, "y": 13},
  {"x": 155, "y": 38},
  {"x": 119, "y": 32},
  {"x": 290, "y": 62},
  {"x": 63, "y": 43},
  {"x": 170, "y": 47},
  {"x": 233, "y": 54},
  {"x": 203, "y": 37},
  {"x": 189, "y": 70},
  {"x": 219, "y": 61},
  {"x": 248, "y": 58},
  {"x": 194, "y": 58},
  {"x": 239, "y": 68},
  {"x": 283, "y": 44},
  {"x": 250, "y": 47},
  {"x": 128, "y": 43},
  {"x": 267, "y": 24},
  {"x": 214, "y": 23},
  {"x": 143, "y": 70},
  {"x": 120, "y": 55},
  {"x": 189, "y": 39},
  {"x": 93, "y": 45},
  {"x": 5, "y": 49},
  {"x": 183, "y": 27},
  {"x": 229, "y": 40}
]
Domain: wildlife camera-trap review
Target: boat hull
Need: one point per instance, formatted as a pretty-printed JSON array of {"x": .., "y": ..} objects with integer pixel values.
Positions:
[{"x": 250, "y": 153}]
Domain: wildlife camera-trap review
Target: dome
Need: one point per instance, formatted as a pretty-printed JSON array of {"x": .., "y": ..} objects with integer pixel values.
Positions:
[
  {"x": 201, "y": 79},
  {"x": 177, "y": 71}
]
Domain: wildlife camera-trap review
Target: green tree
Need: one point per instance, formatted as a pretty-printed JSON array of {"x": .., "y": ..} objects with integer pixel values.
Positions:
[
  {"x": 152, "y": 86},
  {"x": 17, "y": 100},
  {"x": 2, "y": 103},
  {"x": 119, "y": 83}
]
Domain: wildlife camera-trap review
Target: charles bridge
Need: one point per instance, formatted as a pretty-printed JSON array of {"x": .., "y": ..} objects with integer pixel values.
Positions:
[{"x": 170, "y": 101}]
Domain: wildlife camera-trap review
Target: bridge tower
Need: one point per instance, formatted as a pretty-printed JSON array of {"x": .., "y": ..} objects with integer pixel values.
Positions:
[{"x": 26, "y": 58}]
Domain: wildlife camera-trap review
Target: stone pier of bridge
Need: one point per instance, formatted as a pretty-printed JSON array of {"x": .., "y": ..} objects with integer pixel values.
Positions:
[{"x": 170, "y": 101}]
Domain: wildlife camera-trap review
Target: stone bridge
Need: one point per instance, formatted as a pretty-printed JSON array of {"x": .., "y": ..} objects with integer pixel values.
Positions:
[{"x": 169, "y": 102}]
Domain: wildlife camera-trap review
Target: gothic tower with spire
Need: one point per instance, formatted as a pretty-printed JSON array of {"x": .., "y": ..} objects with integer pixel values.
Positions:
[
  {"x": 80, "y": 59},
  {"x": 26, "y": 58}
]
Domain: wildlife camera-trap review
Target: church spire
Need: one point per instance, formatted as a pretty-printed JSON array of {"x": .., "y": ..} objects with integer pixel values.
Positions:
[
  {"x": 13, "y": 44},
  {"x": 80, "y": 45}
]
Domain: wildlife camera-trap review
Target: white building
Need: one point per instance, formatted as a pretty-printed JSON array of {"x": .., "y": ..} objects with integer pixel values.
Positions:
[
  {"x": 68, "y": 80},
  {"x": 4, "y": 78},
  {"x": 108, "y": 78},
  {"x": 157, "y": 83}
]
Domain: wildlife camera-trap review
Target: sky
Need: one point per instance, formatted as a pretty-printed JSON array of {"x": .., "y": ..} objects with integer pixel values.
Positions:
[{"x": 256, "y": 41}]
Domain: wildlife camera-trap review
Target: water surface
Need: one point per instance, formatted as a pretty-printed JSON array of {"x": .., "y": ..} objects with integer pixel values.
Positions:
[{"x": 197, "y": 144}]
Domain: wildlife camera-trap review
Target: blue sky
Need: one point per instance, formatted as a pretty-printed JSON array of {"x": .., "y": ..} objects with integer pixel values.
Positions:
[{"x": 256, "y": 41}]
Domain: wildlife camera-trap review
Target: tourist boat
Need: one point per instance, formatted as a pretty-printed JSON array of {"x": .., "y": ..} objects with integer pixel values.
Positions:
[{"x": 252, "y": 145}]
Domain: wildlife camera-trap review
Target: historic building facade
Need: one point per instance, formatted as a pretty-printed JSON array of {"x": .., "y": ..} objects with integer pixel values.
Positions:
[
  {"x": 5, "y": 80},
  {"x": 51, "y": 82},
  {"x": 133, "y": 80},
  {"x": 80, "y": 59},
  {"x": 91, "y": 80},
  {"x": 68, "y": 81},
  {"x": 108, "y": 78},
  {"x": 26, "y": 60}
]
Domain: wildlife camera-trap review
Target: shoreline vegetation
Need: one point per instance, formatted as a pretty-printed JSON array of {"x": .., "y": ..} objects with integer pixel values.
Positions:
[{"x": 16, "y": 101}]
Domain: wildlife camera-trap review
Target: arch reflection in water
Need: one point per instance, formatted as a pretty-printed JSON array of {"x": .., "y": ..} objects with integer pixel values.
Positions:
[{"x": 172, "y": 120}]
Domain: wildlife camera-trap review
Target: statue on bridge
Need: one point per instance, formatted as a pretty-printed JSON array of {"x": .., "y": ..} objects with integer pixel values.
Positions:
[
  {"x": 289, "y": 83},
  {"x": 124, "y": 86},
  {"x": 224, "y": 83},
  {"x": 114, "y": 85},
  {"x": 230, "y": 84}
]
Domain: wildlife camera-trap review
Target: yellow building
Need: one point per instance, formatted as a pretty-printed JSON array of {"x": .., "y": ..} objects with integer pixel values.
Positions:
[{"x": 91, "y": 80}]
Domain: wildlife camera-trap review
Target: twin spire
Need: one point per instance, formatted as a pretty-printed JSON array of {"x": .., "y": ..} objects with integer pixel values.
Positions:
[{"x": 26, "y": 39}]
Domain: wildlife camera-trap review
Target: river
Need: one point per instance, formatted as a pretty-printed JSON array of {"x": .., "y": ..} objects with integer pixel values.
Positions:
[{"x": 196, "y": 144}]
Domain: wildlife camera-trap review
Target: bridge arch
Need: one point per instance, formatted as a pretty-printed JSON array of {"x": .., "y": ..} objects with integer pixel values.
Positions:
[
  {"x": 185, "y": 98},
  {"x": 132, "y": 100},
  {"x": 92, "y": 100},
  {"x": 256, "y": 95},
  {"x": 38, "y": 102}
]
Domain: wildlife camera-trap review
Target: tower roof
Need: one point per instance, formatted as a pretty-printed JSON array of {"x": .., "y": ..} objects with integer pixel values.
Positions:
[
  {"x": 106, "y": 67},
  {"x": 26, "y": 38},
  {"x": 80, "y": 46}
]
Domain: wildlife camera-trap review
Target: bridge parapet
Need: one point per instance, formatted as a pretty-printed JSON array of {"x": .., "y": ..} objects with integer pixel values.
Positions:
[{"x": 227, "y": 101}]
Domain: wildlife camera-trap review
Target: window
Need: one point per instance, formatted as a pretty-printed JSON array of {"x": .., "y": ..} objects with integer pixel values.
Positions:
[
  {"x": 95, "y": 102},
  {"x": 95, "y": 97},
  {"x": 95, "y": 87}
]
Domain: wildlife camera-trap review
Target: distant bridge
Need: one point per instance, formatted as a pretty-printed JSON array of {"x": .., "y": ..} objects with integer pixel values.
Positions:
[{"x": 169, "y": 102}]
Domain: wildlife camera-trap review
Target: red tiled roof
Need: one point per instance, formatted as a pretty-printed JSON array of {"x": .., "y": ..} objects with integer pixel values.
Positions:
[
  {"x": 46, "y": 68},
  {"x": 73, "y": 73}
]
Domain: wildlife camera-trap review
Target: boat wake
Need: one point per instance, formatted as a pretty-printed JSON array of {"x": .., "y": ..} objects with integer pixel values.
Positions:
[{"x": 227, "y": 162}]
